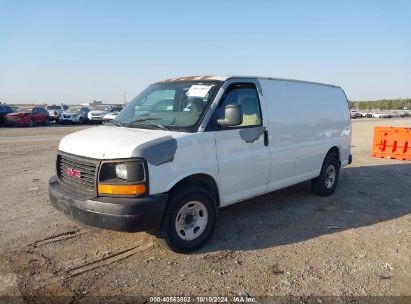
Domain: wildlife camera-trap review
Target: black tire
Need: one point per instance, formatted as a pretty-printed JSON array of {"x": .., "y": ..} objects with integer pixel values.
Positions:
[
  {"x": 30, "y": 123},
  {"x": 46, "y": 122},
  {"x": 180, "y": 198},
  {"x": 322, "y": 185},
  {"x": 80, "y": 121}
]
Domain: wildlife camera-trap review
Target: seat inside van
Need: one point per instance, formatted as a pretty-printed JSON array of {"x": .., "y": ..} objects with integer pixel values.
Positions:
[{"x": 250, "y": 110}]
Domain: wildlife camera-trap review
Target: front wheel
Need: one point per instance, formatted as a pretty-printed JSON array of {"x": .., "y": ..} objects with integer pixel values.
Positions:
[
  {"x": 30, "y": 123},
  {"x": 189, "y": 219},
  {"x": 326, "y": 183},
  {"x": 80, "y": 121}
]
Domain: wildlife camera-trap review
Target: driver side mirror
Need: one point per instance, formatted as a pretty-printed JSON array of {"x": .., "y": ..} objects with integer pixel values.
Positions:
[{"x": 232, "y": 116}]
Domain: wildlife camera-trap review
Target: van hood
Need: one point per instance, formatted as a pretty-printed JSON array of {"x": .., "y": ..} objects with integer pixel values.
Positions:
[{"x": 112, "y": 142}]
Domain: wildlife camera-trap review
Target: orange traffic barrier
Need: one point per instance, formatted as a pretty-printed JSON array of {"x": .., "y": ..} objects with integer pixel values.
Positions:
[{"x": 392, "y": 142}]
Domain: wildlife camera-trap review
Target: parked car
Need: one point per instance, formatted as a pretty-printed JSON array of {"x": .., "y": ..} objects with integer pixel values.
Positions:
[
  {"x": 27, "y": 117},
  {"x": 4, "y": 110},
  {"x": 110, "y": 116},
  {"x": 55, "y": 111},
  {"x": 355, "y": 114},
  {"x": 96, "y": 114},
  {"x": 112, "y": 113},
  {"x": 175, "y": 166},
  {"x": 382, "y": 115},
  {"x": 74, "y": 114}
]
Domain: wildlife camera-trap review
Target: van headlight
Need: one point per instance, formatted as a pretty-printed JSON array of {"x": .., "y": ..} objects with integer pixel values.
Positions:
[
  {"x": 121, "y": 171},
  {"x": 122, "y": 178}
]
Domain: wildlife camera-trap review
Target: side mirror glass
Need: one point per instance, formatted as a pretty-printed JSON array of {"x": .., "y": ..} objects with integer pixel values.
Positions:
[{"x": 232, "y": 116}]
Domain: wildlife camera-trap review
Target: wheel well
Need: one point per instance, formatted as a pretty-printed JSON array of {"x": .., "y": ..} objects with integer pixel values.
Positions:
[
  {"x": 202, "y": 180},
  {"x": 334, "y": 151}
]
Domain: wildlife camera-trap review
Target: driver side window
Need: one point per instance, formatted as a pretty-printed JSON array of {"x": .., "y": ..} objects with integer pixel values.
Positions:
[{"x": 247, "y": 98}]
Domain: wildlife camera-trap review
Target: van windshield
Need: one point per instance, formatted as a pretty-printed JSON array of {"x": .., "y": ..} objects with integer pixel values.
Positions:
[{"x": 177, "y": 106}]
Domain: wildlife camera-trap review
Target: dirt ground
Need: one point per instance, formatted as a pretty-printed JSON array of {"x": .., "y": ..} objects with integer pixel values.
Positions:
[{"x": 290, "y": 242}]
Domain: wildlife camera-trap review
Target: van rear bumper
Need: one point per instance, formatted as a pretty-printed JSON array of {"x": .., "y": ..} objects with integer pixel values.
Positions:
[{"x": 122, "y": 214}]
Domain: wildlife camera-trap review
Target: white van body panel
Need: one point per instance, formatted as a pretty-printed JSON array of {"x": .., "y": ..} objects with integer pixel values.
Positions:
[
  {"x": 196, "y": 154},
  {"x": 243, "y": 167},
  {"x": 305, "y": 120}
]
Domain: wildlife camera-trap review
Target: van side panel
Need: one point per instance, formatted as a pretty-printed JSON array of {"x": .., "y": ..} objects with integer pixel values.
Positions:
[{"x": 305, "y": 121}]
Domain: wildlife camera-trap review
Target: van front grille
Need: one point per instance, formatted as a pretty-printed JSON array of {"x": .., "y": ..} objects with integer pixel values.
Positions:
[{"x": 77, "y": 174}]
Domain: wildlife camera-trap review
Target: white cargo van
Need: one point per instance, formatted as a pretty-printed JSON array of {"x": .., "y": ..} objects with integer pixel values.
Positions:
[{"x": 185, "y": 147}]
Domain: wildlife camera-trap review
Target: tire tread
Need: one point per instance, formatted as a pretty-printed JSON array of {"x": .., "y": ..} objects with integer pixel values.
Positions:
[
  {"x": 176, "y": 197},
  {"x": 318, "y": 183}
]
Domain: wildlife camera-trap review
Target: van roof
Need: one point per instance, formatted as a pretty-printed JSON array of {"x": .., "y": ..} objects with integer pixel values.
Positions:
[{"x": 226, "y": 77}]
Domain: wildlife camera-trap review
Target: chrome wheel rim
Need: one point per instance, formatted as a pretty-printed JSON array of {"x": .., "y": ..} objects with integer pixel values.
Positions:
[
  {"x": 330, "y": 175},
  {"x": 191, "y": 220}
]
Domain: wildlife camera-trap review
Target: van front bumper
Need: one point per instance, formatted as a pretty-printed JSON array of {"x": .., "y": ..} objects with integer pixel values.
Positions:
[{"x": 114, "y": 213}]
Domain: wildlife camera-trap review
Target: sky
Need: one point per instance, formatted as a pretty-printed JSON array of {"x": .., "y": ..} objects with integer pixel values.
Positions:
[{"x": 78, "y": 51}]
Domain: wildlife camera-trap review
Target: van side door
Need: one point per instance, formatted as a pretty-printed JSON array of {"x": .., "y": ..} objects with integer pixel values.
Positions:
[{"x": 243, "y": 155}]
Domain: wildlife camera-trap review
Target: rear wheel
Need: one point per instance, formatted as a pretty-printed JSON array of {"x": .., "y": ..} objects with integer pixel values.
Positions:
[
  {"x": 30, "y": 123},
  {"x": 80, "y": 121},
  {"x": 189, "y": 218},
  {"x": 326, "y": 183}
]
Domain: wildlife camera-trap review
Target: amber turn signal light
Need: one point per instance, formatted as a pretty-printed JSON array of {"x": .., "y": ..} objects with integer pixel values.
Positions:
[{"x": 122, "y": 189}]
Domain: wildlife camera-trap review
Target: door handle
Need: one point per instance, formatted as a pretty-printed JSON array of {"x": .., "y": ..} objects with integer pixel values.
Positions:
[{"x": 265, "y": 138}]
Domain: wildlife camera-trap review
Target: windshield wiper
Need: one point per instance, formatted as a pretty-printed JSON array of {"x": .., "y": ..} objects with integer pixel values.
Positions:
[
  {"x": 148, "y": 119},
  {"x": 144, "y": 119}
]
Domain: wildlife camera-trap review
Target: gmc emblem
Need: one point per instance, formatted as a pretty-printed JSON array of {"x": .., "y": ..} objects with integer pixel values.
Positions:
[{"x": 73, "y": 173}]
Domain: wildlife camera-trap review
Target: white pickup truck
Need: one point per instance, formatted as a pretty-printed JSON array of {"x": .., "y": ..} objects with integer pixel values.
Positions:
[
  {"x": 55, "y": 111},
  {"x": 185, "y": 147}
]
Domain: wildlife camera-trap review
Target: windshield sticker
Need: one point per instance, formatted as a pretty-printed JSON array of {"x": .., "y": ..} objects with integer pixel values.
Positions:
[{"x": 198, "y": 90}]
